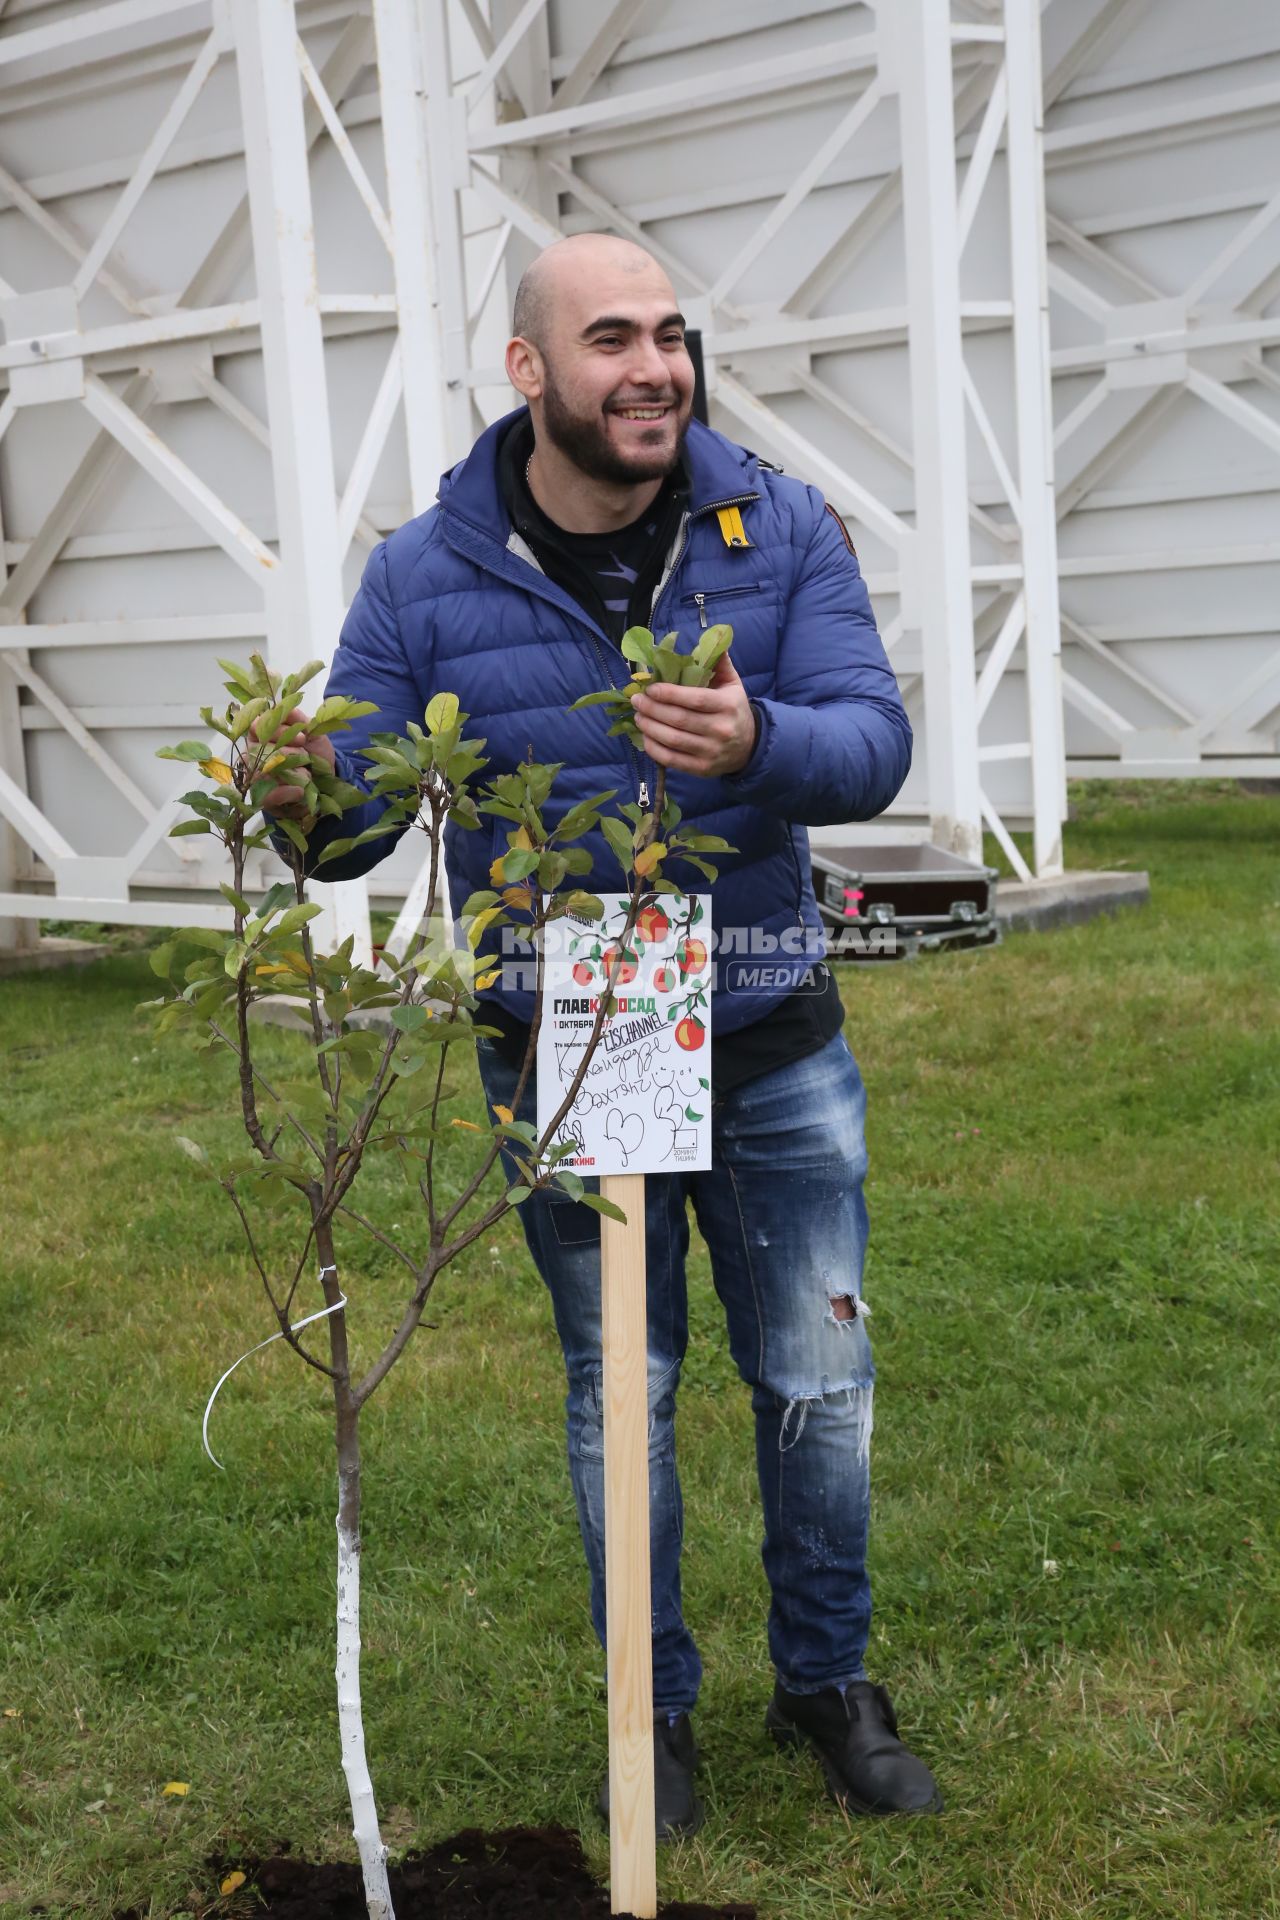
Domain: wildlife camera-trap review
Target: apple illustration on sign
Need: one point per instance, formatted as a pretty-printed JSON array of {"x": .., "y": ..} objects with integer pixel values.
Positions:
[
  {"x": 652, "y": 924},
  {"x": 627, "y": 970},
  {"x": 692, "y": 956},
  {"x": 582, "y": 973},
  {"x": 690, "y": 1033},
  {"x": 664, "y": 979}
]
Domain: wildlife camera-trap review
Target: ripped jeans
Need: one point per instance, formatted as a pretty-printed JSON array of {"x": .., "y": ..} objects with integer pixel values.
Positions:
[{"x": 784, "y": 1220}]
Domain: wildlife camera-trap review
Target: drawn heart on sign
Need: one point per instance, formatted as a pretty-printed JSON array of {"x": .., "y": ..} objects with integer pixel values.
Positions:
[{"x": 626, "y": 1131}]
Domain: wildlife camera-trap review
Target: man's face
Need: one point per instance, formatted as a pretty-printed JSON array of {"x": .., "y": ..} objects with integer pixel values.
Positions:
[{"x": 617, "y": 388}]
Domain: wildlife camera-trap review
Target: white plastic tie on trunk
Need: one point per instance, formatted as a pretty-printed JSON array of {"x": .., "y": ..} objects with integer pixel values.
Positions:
[{"x": 296, "y": 1327}]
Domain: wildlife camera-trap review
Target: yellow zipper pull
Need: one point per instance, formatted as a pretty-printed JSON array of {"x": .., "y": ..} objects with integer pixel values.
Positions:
[{"x": 732, "y": 531}]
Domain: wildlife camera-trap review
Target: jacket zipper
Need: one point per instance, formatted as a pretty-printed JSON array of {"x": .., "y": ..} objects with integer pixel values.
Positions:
[
  {"x": 719, "y": 593},
  {"x": 712, "y": 506}
]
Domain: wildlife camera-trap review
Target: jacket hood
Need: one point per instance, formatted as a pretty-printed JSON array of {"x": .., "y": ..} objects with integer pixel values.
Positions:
[{"x": 472, "y": 490}]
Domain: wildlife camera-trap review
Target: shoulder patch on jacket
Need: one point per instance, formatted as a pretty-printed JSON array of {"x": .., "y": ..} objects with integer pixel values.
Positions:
[{"x": 844, "y": 531}]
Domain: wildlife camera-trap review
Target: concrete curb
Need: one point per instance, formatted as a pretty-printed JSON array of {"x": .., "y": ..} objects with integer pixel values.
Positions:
[
  {"x": 53, "y": 951},
  {"x": 1036, "y": 906}
]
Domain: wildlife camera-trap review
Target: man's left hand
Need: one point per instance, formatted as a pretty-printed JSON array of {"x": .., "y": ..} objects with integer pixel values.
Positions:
[{"x": 705, "y": 730}]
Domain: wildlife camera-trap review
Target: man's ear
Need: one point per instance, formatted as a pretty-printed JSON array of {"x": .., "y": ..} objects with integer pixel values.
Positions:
[{"x": 524, "y": 368}]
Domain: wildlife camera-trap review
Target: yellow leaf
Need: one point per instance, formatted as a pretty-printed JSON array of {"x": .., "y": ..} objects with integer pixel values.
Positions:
[
  {"x": 483, "y": 980},
  {"x": 477, "y": 924},
  {"x": 504, "y": 1114},
  {"x": 470, "y": 1125},
  {"x": 175, "y": 1789},
  {"x": 13, "y": 1713},
  {"x": 522, "y": 839},
  {"x": 218, "y": 770},
  {"x": 518, "y": 898},
  {"x": 642, "y": 676},
  {"x": 648, "y": 857},
  {"x": 261, "y": 970},
  {"x": 232, "y": 1881},
  {"x": 495, "y": 873}
]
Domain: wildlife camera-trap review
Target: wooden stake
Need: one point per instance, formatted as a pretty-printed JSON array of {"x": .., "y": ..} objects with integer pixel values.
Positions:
[{"x": 633, "y": 1874}]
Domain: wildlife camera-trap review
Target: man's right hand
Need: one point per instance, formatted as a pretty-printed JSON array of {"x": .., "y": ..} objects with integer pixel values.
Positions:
[{"x": 285, "y": 801}]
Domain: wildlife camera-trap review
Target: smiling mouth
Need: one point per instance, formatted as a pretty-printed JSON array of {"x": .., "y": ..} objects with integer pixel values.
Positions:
[{"x": 642, "y": 413}]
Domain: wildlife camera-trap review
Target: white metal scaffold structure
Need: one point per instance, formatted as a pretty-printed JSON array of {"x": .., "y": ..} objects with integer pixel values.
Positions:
[
  {"x": 208, "y": 343},
  {"x": 1163, "y": 189}
]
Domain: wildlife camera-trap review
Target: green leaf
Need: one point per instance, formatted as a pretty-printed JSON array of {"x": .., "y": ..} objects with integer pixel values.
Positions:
[
  {"x": 335, "y": 849},
  {"x": 184, "y": 827},
  {"x": 185, "y": 750},
  {"x": 519, "y": 863},
  {"x": 515, "y": 1195},
  {"x": 587, "y": 906},
  {"x": 715, "y": 641},
  {"x": 598, "y": 1204},
  {"x": 442, "y": 712},
  {"x": 237, "y": 900},
  {"x": 637, "y": 644},
  {"x": 246, "y": 715},
  {"x": 296, "y": 681},
  {"x": 571, "y": 1182},
  {"x": 408, "y": 1019},
  {"x": 297, "y": 916},
  {"x": 620, "y": 842},
  {"x": 583, "y": 816},
  {"x": 292, "y": 833},
  {"x": 603, "y": 698},
  {"x": 161, "y": 959}
]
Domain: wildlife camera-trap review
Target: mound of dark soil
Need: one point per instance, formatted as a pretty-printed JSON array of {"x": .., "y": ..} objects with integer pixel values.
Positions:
[{"x": 518, "y": 1873}]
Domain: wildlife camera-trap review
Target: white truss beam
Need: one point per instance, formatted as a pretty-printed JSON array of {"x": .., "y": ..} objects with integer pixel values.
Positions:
[
  {"x": 94, "y": 470},
  {"x": 162, "y": 139},
  {"x": 74, "y": 34},
  {"x": 746, "y": 82},
  {"x": 1036, "y": 508},
  {"x": 62, "y": 236},
  {"x": 1109, "y": 24},
  {"x": 305, "y": 610},
  {"x": 807, "y": 178},
  {"x": 609, "y": 39},
  {"x": 230, "y": 251},
  {"x": 412, "y": 219},
  {"x": 944, "y": 593},
  {"x": 342, "y": 141},
  {"x": 177, "y": 479}
]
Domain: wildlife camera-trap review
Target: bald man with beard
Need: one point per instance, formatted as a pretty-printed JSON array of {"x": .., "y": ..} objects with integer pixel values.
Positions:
[{"x": 598, "y": 505}]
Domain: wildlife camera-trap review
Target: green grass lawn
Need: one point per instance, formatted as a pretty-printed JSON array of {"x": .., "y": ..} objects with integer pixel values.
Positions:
[{"x": 1074, "y": 1206}]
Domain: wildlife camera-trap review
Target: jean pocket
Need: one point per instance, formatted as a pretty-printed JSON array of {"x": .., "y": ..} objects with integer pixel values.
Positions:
[{"x": 573, "y": 1224}]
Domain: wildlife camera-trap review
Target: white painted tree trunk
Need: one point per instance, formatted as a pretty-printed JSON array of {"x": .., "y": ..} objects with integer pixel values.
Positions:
[{"x": 364, "y": 1813}]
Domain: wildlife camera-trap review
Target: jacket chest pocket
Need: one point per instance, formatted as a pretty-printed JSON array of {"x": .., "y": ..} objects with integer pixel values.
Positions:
[{"x": 715, "y": 603}]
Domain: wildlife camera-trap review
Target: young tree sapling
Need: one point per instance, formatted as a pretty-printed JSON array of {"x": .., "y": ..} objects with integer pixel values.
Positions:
[{"x": 381, "y": 1087}]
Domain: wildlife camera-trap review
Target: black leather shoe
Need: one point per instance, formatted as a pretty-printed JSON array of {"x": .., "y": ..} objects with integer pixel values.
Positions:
[
  {"x": 677, "y": 1808},
  {"x": 855, "y": 1736}
]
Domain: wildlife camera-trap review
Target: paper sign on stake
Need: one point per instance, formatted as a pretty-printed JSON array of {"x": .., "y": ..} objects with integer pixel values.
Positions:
[
  {"x": 644, "y": 1107},
  {"x": 645, "y": 1104}
]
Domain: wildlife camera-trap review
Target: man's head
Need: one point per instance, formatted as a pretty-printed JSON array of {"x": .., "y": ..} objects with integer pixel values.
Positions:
[{"x": 599, "y": 355}]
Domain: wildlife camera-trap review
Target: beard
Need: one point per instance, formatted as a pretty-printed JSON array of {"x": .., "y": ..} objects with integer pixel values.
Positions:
[{"x": 585, "y": 440}]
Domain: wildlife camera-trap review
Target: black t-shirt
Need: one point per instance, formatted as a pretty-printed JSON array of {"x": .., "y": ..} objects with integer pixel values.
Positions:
[{"x": 613, "y": 576}]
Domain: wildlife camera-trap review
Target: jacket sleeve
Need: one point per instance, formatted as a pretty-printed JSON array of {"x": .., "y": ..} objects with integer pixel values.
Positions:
[
  {"x": 370, "y": 664},
  {"x": 835, "y": 741}
]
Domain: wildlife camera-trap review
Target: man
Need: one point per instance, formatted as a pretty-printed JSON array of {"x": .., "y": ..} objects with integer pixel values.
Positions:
[{"x": 596, "y": 507}]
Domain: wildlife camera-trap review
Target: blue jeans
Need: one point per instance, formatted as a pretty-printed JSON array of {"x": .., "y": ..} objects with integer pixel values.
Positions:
[{"x": 784, "y": 1220}]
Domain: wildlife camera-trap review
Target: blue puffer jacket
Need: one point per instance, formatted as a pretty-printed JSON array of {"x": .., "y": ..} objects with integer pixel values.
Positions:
[{"x": 454, "y": 601}]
